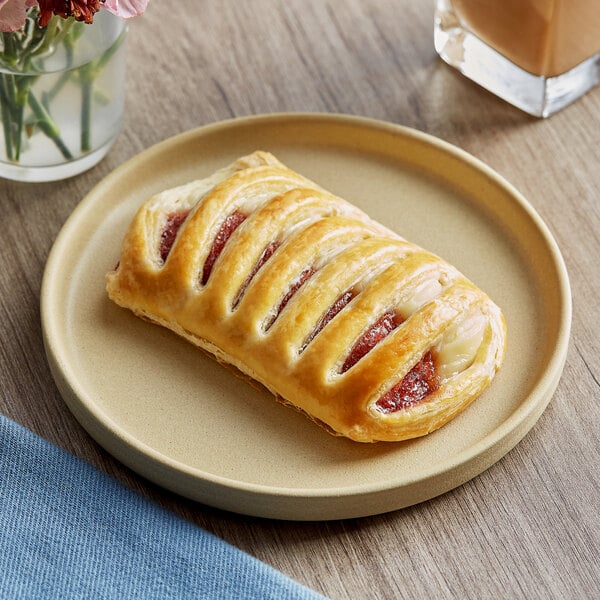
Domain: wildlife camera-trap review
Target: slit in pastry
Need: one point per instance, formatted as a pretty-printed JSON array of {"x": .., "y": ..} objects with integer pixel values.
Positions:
[
  {"x": 169, "y": 232},
  {"x": 231, "y": 223}
]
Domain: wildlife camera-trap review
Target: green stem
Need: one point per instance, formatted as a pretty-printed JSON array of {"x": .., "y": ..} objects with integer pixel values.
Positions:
[
  {"x": 19, "y": 49},
  {"x": 52, "y": 93},
  {"x": 9, "y": 55},
  {"x": 7, "y": 126},
  {"x": 48, "y": 40},
  {"x": 10, "y": 114},
  {"x": 23, "y": 52},
  {"x": 86, "y": 113},
  {"x": 73, "y": 33},
  {"x": 23, "y": 85},
  {"x": 10, "y": 89},
  {"x": 47, "y": 125},
  {"x": 88, "y": 73},
  {"x": 103, "y": 60},
  {"x": 19, "y": 133}
]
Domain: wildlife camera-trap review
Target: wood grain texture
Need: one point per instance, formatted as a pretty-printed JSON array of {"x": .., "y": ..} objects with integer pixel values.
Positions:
[{"x": 526, "y": 528}]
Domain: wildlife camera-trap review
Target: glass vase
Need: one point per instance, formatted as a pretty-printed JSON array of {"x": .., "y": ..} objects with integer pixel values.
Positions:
[{"x": 62, "y": 90}]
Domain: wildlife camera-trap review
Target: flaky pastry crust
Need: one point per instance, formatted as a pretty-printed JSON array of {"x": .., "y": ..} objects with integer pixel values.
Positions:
[{"x": 304, "y": 293}]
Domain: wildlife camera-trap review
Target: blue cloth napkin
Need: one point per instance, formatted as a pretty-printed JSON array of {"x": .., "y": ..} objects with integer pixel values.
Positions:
[{"x": 68, "y": 530}]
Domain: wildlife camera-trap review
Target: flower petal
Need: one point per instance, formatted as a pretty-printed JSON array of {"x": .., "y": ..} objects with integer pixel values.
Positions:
[
  {"x": 12, "y": 13},
  {"x": 126, "y": 8},
  {"x": 81, "y": 10}
]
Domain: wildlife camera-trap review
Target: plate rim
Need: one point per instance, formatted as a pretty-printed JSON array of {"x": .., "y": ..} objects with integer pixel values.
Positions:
[{"x": 523, "y": 418}]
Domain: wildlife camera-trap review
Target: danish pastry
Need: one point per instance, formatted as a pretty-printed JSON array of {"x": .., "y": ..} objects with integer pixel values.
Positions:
[{"x": 368, "y": 334}]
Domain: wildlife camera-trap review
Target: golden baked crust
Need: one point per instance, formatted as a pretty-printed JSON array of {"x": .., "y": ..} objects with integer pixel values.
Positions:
[{"x": 301, "y": 291}]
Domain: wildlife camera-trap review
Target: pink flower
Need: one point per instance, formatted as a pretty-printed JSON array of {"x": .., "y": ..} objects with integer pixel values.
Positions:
[
  {"x": 81, "y": 10},
  {"x": 12, "y": 13},
  {"x": 126, "y": 8}
]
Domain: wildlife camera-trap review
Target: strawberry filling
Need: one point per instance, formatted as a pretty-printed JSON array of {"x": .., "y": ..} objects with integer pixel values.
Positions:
[
  {"x": 300, "y": 281},
  {"x": 370, "y": 338},
  {"x": 333, "y": 310},
  {"x": 231, "y": 223},
  {"x": 169, "y": 232},
  {"x": 264, "y": 257},
  {"x": 418, "y": 383},
  {"x": 304, "y": 277}
]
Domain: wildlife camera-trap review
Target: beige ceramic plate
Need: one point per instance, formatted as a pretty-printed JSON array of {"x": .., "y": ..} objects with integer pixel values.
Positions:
[{"x": 172, "y": 414}]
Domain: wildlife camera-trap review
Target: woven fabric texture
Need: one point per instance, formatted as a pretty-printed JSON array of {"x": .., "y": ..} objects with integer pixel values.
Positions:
[{"x": 68, "y": 530}]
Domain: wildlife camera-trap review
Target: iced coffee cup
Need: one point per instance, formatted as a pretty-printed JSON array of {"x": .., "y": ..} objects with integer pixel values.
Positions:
[{"x": 539, "y": 55}]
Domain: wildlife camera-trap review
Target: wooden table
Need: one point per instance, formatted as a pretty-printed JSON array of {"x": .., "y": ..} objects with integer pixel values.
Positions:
[{"x": 526, "y": 528}]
